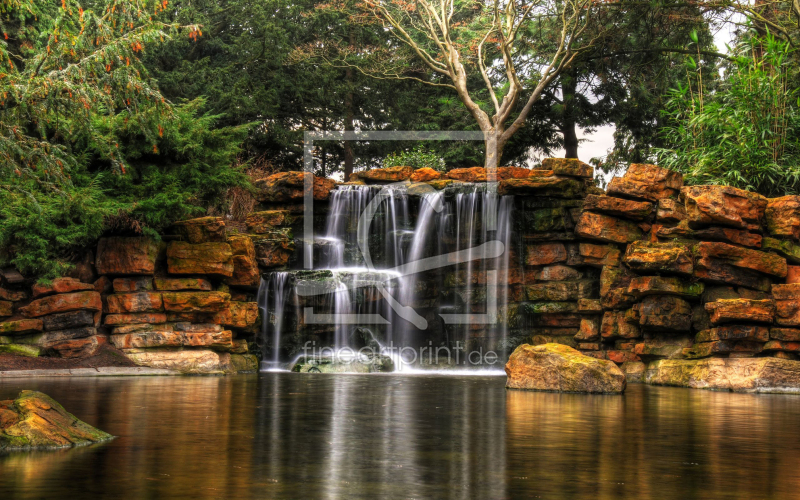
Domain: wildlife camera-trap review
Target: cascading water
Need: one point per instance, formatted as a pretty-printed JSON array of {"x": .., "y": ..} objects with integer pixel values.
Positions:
[
  {"x": 276, "y": 289},
  {"x": 372, "y": 274}
]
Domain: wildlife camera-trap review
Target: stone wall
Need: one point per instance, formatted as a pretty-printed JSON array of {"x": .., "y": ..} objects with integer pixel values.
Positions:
[{"x": 647, "y": 270}]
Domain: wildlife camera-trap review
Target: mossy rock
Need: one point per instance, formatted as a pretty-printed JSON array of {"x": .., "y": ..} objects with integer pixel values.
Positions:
[
  {"x": 20, "y": 350},
  {"x": 36, "y": 421}
]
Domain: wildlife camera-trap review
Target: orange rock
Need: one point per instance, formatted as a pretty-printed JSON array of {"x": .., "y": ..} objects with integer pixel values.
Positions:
[
  {"x": 615, "y": 326},
  {"x": 134, "y": 319},
  {"x": 290, "y": 186},
  {"x": 670, "y": 211},
  {"x": 555, "y": 186},
  {"x": 787, "y": 312},
  {"x": 214, "y": 339},
  {"x": 127, "y": 285},
  {"x": 385, "y": 175},
  {"x": 645, "y": 256},
  {"x": 631, "y": 209},
  {"x": 12, "y": 296},
  {"x": 473, "y": 174},
  {"x": 777, "y": 345},
  {"x": 664, "y": 285},
  {"x": 545, "y": 253},
  {"x": 6, "y": 308},
  {"x": 728, "y": 310},
  {"x": 558, "y": 273},
  {"x": 568, "y": 166},
  {"x": 103, "y": 285},
  {"x": 269, "y": 220},
  {"x": 204, "y": 258},
  {"x": 789, "y": 291},
  {"x": 743, "y": 258},
  {"x": 724, "y": 205},
  {"x": 512, "y": 173},
  {"x": 245, "y": 268},
  {"x": 79, "y": 348},
  {"x": 134, "y": 302},
  {"x": 589, "y": 329},
  {"x": 599, "y": 255},
  {"x": 238, "y": 315},
  {"x": 614, "y": 283},
  {"x": 734, "y": 332},
  {"x": 783, "y": 216},
  {"x": 201, "y": 230},
  {"x": 21, "y": 326},
  {"x": 178, "y": 284},
  {"x": 205, "y": 302},
  {"x": 120, "y": 255},
  {"x": 606, "y": 228},
  {"x": 648, "y": 182},
  {"x": 620, "y": 357},
  {"x": 62, "y": 303},
  {"x": 792, "y": 274},
  {"x": 425, "y": 174},
  {"x": 60, "y": 285},
  {"x": 664, "y": 313},
  {"x": 786, "y": 334}
]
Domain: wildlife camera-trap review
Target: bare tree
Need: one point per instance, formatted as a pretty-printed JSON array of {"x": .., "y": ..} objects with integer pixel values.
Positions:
[{"x": 518, "y": 47}]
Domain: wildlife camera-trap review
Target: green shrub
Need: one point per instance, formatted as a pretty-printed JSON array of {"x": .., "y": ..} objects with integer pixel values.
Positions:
[
  {"x": 415, "y": 158},
  {"x": 745, "y": 133}
]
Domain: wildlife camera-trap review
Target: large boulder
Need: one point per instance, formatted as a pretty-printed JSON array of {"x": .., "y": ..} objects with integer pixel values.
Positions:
[
  {"x": 36, "y": 421},
  {"x": 383, "y": 175},
  {"x": 119, "y": 255},
  {"x": 290, "y": 186},
  {"x": 425, "y": 174},
  {"x": 568, "y": 166},
  {"x": 190, "y": 361},
  {"x": 557, "y": 367},
  {"x": 724, "y": 205},
  {"x": 728, "y": 374}
]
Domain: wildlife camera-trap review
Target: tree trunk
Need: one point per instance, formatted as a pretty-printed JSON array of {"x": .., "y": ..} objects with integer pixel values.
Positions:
[
  {"x": 349, "y": 114},
  {"x": 494, "y": 152},
  {"x": 569, "y": 86}
]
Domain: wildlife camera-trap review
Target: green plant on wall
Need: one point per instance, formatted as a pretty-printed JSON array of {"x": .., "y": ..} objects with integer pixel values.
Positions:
[
  {"x": 744, "y": 133},
  {"x": 415, "y": 158}
]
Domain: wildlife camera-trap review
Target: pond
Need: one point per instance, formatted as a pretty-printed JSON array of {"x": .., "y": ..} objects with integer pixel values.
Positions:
[{"x": 284, "y": 435}]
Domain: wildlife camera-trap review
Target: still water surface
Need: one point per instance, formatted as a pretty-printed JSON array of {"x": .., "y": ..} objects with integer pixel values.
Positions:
[{"x": 282, "y": 435}]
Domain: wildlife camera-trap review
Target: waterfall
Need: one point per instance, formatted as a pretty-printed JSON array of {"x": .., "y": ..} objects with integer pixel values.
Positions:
[
  {"x": 273, "y": 314},
  {"x": 389, "y": 282}
]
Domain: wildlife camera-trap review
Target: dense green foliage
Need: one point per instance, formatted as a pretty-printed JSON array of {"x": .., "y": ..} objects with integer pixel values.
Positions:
[
  {"x": 415, "y": 158},
  {"x": 87, "y": 142},
  {"x": 744, "y": 133}
]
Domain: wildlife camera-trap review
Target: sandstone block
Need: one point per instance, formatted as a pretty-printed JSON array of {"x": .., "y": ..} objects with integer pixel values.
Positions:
[
  {"x": 79, "y": 348},
  {"x": 647, "y": 182},
  {"x": 204, "y": 258},
  {"x": 783, "y": 216},
  {"x": 616, "y": 325},
  {"x": 619, "y": 207},
  {"x": 20, "y": 327},
  {"x": 671, "y": 258},
  {"x": 425, "y": 174},
  {"x": 473, "y": 174},
  {"x": 734, "y": 332},
  {"x": 206, "y": 302},
  {"x": 134, "y": 319},
  {"x": 724, "y": 205},
  {"x": 201, "y": 230},
  {"x": 60, "y": 285},
  {"x": 128, "y": 285},
  {"x": 553, "y": 186},
  {"x": 289, "y": 186},
  {"x": 568, "y": 166},
  {"x": 245, "y": 268},
  {"x": 670, "y": 211},
  {"x": 134, "y": 302},
  {"x": 664, "y": 285},
  {"x": 178, "y": 284},
  {"x": 664, "y": 313},
  {"x": 599, "y": 255},
  {"x": 748, "y": 310},
  {"x": 120, "y": 255},
  {"x": 63, "y": 303},
  {"x": 607, "y": 228},
  {"x": 545, "y": 253}
]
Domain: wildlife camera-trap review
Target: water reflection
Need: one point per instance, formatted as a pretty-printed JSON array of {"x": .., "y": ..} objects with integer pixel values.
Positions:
[{"x": 279, "y": 435}]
